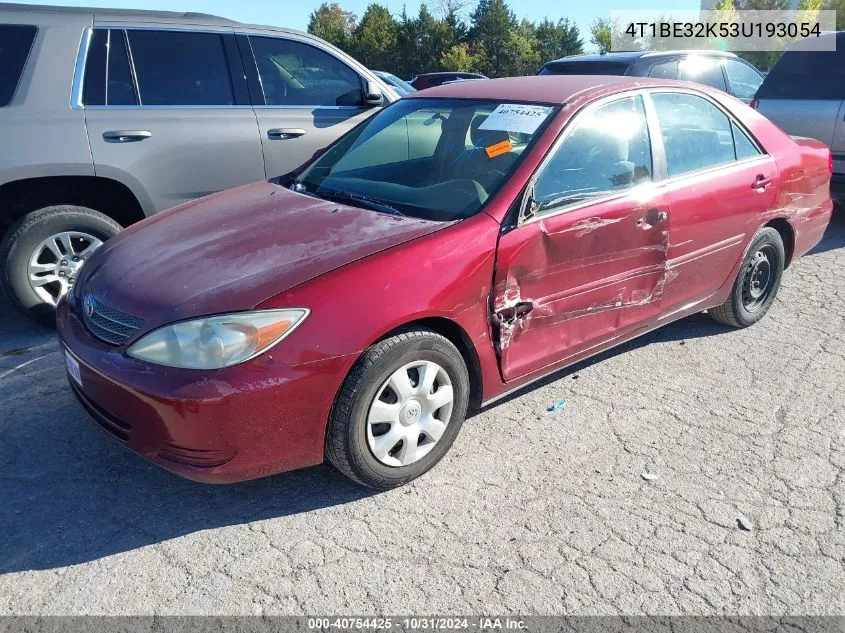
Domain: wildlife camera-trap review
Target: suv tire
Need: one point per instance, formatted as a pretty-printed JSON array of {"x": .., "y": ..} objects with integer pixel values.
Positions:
[{"x": 29, "y": 234}]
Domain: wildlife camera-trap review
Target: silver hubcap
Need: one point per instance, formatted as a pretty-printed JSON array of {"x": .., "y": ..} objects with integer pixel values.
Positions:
[
  {"x": 410, "y": 413},
  {"x": 55, "y": 263}
]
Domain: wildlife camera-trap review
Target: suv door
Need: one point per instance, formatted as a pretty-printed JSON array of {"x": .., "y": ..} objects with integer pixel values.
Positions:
[
  {"x": 305, "y": 96},
  {"x": 587, "y": 262},
  {"x": 168, "y": 113}
]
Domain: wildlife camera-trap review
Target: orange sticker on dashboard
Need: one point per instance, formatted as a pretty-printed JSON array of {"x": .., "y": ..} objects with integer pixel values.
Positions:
[{"x": 498, "y": 149}]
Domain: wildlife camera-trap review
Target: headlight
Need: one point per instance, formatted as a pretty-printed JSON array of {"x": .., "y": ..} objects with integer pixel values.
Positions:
[{"x": 217, "y": 341}]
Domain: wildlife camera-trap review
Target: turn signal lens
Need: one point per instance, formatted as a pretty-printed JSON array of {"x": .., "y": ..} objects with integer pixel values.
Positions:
[{"x": 217, "y": 341}]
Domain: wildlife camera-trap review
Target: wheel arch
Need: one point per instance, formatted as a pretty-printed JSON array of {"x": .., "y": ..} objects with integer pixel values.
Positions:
[
  {"x": 110, "y": 197},
  {"x": 458, "y": 336},
  {"x": 787, "y": 234}
]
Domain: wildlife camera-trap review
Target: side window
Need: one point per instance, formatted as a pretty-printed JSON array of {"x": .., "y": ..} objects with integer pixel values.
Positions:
[
  {"x": 744, "y": 147},
  {"x": 15, "y": 44},
  {"x": 181, "y": 68},
  {"x": 744, "y": 79},
  {"x": 608, "y": 150},
  {"x": 696, "y": 134},
  {"x": 108, "y": 77},
  {"x": 702, "y": 70},
  {"x": 293, "y": 73},
  {"x": 666, "y": 70}
]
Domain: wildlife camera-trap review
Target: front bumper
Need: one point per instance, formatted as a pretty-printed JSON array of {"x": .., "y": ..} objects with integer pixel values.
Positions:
[{"x": 243, "y": 422}]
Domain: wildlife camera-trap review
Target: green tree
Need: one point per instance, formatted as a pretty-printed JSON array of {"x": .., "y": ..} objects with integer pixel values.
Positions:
[
  {"x": 492, "y": 25},
  {"x": 333, "y": 24},
  {"x": 459, "y": 58},
  {"x": 557, "y": 39},
  {"x": 375, "y": 38},
  {"x": 600, "y": 34},
  {"x": 839, "y": 7}
]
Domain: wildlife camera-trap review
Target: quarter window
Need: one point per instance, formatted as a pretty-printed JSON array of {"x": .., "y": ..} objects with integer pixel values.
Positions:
[
  {"x": 293, "y": 73},
  {"x": 608, "y": 150},
  {"x": 744, "y": 79},
  {"x": 15, "y": 44},
  {"x": 666, "y": 70},
  {"x": 175, "y": 68},
  {"x": 702, "y": 70},
  {"x": 697, "y": 134}
]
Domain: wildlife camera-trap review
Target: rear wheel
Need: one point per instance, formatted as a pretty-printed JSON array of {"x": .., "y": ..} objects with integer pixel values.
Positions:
[
  {"x": 43, "y": 252},
  {"x": 757, "y": 283},
  {"x": 399, "y": 409}
]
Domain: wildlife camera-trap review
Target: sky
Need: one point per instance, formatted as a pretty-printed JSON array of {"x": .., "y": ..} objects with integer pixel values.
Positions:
[{"x": 294, "y": 14}]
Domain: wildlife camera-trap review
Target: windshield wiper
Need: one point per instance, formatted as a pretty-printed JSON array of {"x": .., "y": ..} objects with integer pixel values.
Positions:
[{"x": 370, "y": 203}]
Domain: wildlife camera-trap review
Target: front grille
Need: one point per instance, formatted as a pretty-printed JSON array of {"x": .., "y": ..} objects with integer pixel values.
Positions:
[{"x": 108, "y": 324}]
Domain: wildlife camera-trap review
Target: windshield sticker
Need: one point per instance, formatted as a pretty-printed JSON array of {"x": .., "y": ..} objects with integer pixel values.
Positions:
[
  {"x": 515, "y": 117},
  {"x": 498, "y": 149}
]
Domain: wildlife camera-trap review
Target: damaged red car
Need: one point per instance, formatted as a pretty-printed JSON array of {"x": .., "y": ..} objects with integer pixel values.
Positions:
[{"x": 456, "y": 246}]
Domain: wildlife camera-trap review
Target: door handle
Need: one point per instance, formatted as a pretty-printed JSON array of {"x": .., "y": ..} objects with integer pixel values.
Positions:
[
  {"x": 652, "y": 217},
  {"x": 761, "y": 182},
  {"x": 285, "y": 132},
  {"x": 126, "y": 136}
]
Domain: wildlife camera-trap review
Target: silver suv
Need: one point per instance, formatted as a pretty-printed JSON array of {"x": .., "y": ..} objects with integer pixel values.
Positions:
[
  {"x": 804, "y": 95},
  {"x": 109, "y": 116}
]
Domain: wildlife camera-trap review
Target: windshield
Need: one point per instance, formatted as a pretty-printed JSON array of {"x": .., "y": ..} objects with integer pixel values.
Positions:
[
  {"x": 394, "y": 81},
  {"x": 438, "y": 159}
]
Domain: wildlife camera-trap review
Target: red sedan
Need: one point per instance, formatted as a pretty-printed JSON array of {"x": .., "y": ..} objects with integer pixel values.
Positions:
[{"x": 455, "y": 246}]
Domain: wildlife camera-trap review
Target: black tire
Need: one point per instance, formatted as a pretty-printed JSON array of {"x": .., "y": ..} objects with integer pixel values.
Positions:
[
  {"x": 24, "y": 236},
  {"x": 346, "y": 437},
  {"x": 742, "y": 309}
]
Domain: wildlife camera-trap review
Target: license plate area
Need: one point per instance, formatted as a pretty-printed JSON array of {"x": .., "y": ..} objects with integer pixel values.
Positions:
[{"x": 73, "y": 368}]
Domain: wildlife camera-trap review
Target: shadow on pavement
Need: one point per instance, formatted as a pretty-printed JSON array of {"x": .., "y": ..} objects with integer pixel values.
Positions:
[{"x": 834, "y": 237}]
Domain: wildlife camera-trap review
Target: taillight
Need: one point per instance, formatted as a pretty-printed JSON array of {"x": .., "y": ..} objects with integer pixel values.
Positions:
[
  {"x": 829, "y": 163},
  {"x": 754, "y": 103}
]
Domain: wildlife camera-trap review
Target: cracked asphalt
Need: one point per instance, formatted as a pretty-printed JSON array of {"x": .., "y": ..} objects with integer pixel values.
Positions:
[{"x": 530, "y": 513}]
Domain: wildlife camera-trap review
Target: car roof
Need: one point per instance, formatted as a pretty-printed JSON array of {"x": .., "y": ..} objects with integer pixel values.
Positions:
[
  {"x": 446, "y": 72},
  {"x": 555, "y": 89},
  {"x": 630, "y": 57}
]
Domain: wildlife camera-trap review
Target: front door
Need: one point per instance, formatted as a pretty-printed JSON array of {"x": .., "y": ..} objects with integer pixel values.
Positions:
[
  {"x": 162, "y": 111},
  {"x": 311, "y": 98},
  {"x": 587, "y": 263}
]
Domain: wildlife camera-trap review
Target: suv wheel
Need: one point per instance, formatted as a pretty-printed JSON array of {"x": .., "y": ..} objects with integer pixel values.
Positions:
[{"x": 43, "y": 252}]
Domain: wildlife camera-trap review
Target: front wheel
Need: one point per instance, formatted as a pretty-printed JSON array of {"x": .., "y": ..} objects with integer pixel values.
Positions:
[
  {"x": 757, "y": 283},
  {"x": 399, "y": 409},
  {"x": 43, "y": 253}
]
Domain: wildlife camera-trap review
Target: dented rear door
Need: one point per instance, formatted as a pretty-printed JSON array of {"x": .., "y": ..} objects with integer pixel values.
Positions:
[{"x": 573, "y": 280}]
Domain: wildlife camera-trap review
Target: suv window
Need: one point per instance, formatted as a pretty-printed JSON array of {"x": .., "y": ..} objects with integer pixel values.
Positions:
[
  {"x": 181, "y": 68},
  {"x": 666, "y": 70},
  {"x": 802, "y": 74},
  {"x": 744, "y": 79},
  {"x": 703, "y": 70},
  {"x": 15, "y": 44},
  {"x": 293, "y": 73},
  {"x": 696, "y": 134},
  {"x": 108, "y": 77},
  {"x": 608, "y": 150}
]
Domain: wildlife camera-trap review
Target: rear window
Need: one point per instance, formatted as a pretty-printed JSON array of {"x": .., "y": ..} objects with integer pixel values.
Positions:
[
  {"x": 801, "y": 74},
  {"x": 15, "y": 44},
  {"x": 585, "y": 68}
]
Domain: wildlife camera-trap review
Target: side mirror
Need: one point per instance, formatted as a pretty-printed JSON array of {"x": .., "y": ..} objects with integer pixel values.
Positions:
[{"x": 373, "y": 96}]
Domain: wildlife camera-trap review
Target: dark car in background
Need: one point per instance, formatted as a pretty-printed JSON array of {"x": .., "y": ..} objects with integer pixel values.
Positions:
[
  {"x": 804, "y": 95},
  {"x": 429, "y": 80},
  {"x": 723, "y": 71}
]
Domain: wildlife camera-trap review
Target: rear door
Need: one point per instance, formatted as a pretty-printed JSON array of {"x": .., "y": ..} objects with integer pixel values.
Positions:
[
  {"x": 168, "y": 113},
  {"x": 306, "y": 97},
  {"x": 587, "y": 263},
  {"x": 719, "y": 184}
]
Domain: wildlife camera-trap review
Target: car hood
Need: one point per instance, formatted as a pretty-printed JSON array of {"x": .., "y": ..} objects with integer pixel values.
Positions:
[{"x": 233, "y": 250}]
